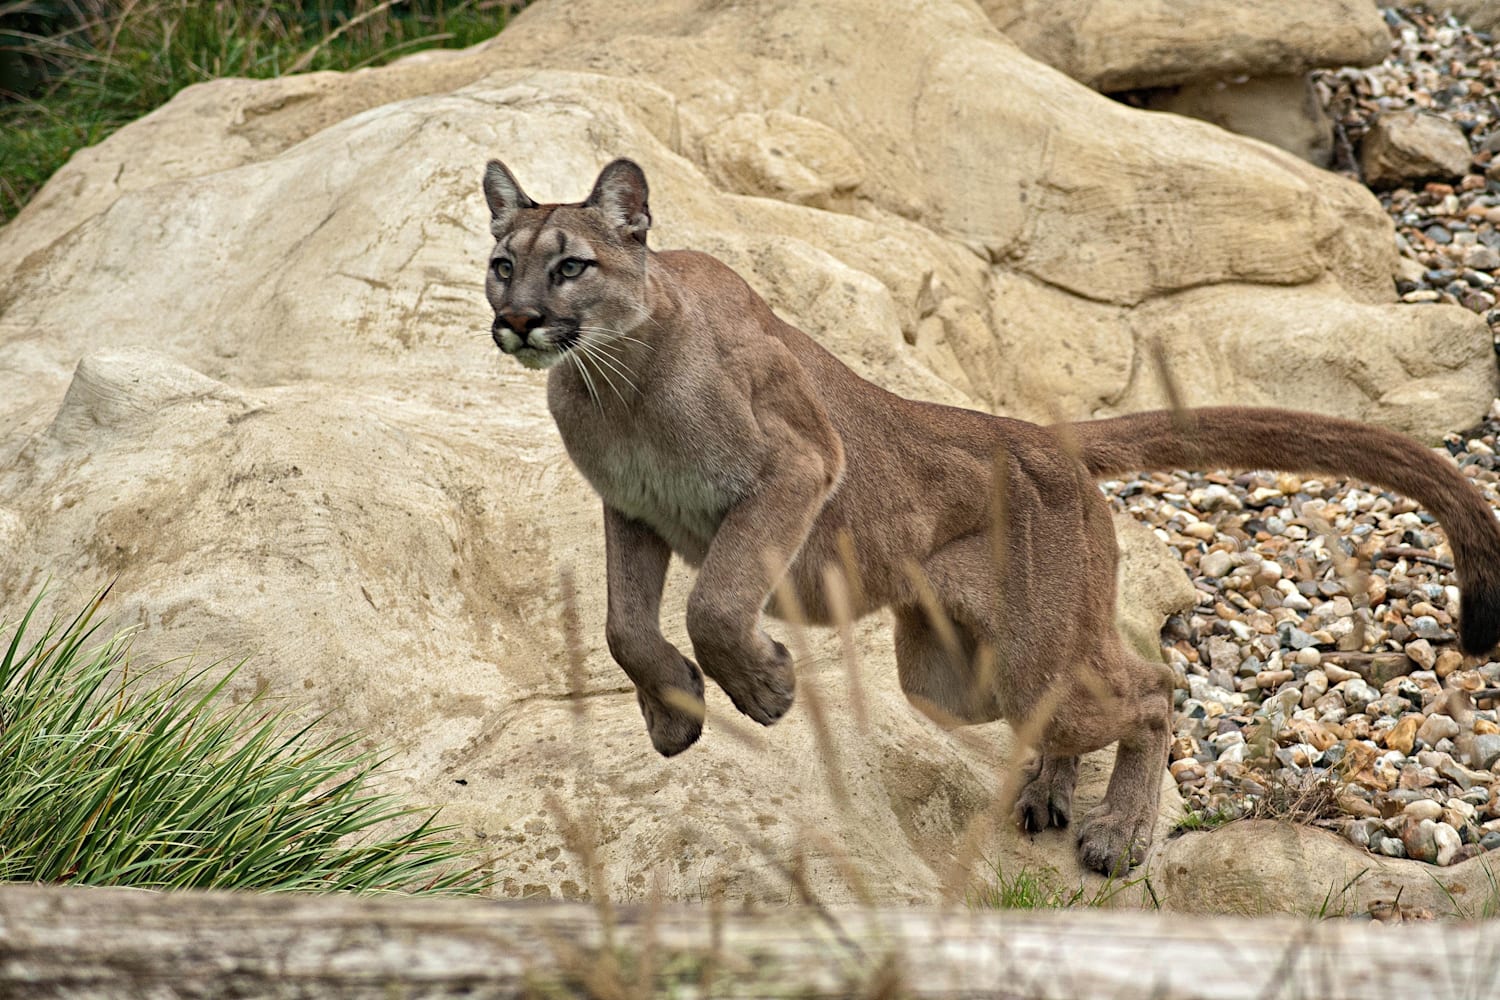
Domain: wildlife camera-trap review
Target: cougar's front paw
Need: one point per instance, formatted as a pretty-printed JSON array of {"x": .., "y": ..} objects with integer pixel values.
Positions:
[
  {"x": 1112, "y": 844},
  {"x": 761, "y": 689},
  {"x": 1046, "y": 798},
  {"x": 674, "y": 714}
]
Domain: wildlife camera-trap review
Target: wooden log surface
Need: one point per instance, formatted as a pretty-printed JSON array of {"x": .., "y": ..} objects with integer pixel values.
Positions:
[{"x": 117, "y": 943}]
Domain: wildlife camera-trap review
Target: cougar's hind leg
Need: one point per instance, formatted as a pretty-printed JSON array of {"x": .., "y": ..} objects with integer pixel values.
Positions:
[
  {"x": 1133, "y": 705},
  {"x": 982, "y": 687},
  {"x": 936, "y": 670},
  {"x": 1046, "y": 797}
]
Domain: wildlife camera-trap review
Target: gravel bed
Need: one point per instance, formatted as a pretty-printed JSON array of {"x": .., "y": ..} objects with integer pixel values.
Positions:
[
  {"x": 1448, "y": 234},
  {"x": 1319, "y": 675}
]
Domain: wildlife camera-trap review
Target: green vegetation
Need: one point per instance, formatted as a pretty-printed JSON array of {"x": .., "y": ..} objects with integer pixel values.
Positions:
[
  {"x": 73, "y": 71},
  {"x": 115, "y": 775},
  {"x": 1337, "y": 904},
  {"x": 1206, "y": 819},
  {"x": 1486, "y": 907},
  {"x": 1043, "y": 889}
]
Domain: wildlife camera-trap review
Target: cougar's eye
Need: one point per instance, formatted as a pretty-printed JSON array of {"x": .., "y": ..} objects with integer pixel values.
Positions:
[
  {"x": 501, "y": 267},
  {"x": 572, "y": 267}
]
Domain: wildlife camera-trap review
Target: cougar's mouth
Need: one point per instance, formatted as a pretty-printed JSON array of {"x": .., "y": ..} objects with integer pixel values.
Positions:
[{"x": 556, "y": 341}]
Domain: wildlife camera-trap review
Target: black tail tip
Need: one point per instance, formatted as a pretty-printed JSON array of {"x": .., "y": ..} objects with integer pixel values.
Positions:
[{"x": 1479, "y": 629}]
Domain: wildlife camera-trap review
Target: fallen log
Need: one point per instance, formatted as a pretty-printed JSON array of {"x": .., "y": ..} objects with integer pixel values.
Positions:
[{"x": 114, "y": 943}]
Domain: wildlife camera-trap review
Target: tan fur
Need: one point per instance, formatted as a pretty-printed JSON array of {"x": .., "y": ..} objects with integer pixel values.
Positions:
[{"x": 712, "y": 429}]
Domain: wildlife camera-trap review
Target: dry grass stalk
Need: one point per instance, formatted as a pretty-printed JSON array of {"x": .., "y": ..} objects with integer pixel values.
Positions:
[
  {"x": 597, "y": 971},
  {"x": 305, "y": 60},
  {"x": 1182, "y": 417},
  {"x": 837, "y": 589},
  {"x": 932, "y": 607},
  {"x": 573, "y": 643},
  {"x": 794, "y": 871},
  {"x": 646, "y": 968},
  {"x": 1352, "y": 572},
  {"x": 1000, "y": 515},
  {"x": 849, "y": 560},
  {"x": 833, "y": 777},
  {"x": 971, "y": 847},
  {"x": 1301, "y": 797},
  {"x": 792, "y": 613},
  {"x": 713, "y": 959},
  {"x": 1065, "y": 433},
  {"x": 859, "y": 884},
  {"x": 581, "y": 839},
  {"x": 747, "y": 736}
]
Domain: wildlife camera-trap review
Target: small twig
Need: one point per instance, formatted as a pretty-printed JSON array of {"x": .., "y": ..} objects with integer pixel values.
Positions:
[{"x": 1394, "y": 552}]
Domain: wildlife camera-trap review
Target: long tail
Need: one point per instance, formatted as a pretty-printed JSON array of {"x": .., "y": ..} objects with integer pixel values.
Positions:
[{"x": 1249, "y": 438}]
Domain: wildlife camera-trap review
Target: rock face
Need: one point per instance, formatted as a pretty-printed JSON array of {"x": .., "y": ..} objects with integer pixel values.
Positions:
[
  {"x": 245, "y": 372},
  {"x": 1133, "y": 44},
  {"x": 1241, "y": 66},
  {"x": 1265, "y": 866},
  {"x": 396, "y": 563}
]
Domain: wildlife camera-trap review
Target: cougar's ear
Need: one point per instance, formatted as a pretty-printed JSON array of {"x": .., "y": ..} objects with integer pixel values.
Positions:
[
  {"x": 504, "y": 195},
  {"x": 620, "y": 193}
]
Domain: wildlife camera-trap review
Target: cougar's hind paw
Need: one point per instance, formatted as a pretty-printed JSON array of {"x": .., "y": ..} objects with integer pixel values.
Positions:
[
  {"x": 1046, "y": 798},
  {"x": 1036, "y": 812}
]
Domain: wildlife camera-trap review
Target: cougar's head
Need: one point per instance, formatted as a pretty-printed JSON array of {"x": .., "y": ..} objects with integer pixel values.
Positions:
[{"x": 563, "y": 277}]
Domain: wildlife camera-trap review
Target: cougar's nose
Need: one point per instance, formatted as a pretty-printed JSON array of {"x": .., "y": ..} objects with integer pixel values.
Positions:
[{"x": 519, "y": 321}]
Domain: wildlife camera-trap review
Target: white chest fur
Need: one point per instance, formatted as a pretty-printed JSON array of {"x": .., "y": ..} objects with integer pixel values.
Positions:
[{"x": 680, "y": 498}]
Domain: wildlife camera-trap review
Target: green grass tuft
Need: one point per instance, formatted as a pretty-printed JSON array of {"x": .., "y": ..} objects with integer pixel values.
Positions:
[
  {"x": 72, "y": 72},
  {"x": 1205, "y": 819},
  {"x": 1043, "y": 889},
  {"x": 115, "y": 775}
]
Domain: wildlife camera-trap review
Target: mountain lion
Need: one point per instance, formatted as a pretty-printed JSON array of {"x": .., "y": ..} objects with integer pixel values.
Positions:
[{"x": 712, "y": 429}]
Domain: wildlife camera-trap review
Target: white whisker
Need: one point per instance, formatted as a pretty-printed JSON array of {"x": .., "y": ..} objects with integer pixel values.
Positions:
[
  {"x": 609, "y": 347},
  {"x": 583, "y": 348},
  {"x": 601, "y": 353},
  {"x": 587, "y": 381},
  {"x": 645, "y": 314},
  {"x": 624, "y": 336},
  {"x": 614, "y": 335}
]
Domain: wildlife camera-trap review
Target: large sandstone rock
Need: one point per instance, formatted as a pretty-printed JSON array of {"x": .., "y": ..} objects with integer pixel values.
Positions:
[
  {"x": 1131, "y": 44},
  {"x": 395, "y": 562},
  {"x": 1242, "y": 66},
  {"x": 997, "y": 154},
  {"x": 245, "y": 372},
  {"x": 1263, "y": 867}
]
